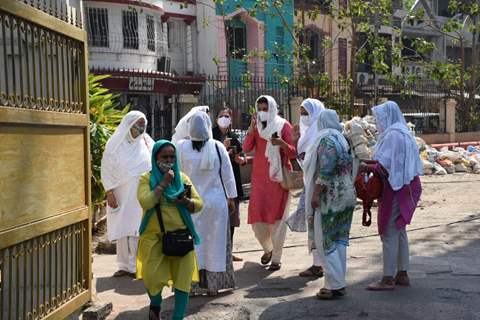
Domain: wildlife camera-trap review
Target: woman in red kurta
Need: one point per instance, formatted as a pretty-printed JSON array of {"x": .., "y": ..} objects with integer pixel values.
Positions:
[{"x": 272, "y": 142}]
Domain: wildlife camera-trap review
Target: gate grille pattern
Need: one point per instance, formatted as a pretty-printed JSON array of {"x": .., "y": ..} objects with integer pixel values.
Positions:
[
  {"x": 39, "y": 275},
  {"x": 42, "y": 69}
]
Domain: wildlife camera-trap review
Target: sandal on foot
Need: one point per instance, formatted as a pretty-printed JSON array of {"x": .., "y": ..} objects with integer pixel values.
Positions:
[
  {"x": 236, "y": 259},
  {"x": 381, "y": 286},
  {"x": 326, "y": 294},
  {"x": 266, "y": 258},
  {"x": 121, "y": 273},
  {"x": 274, "y": 266},
  {"x": 313, "y": 271},
  {"x": 402, "y": 279},
  {"x": 212, "y": 293}
]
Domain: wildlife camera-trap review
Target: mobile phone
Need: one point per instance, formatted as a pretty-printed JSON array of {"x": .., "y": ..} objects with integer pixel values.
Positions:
[
  {"x": 181, "y": 195},
  {"x": 188, "y": 190}
]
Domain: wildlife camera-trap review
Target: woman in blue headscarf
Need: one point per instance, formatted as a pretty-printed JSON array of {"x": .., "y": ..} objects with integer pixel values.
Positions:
[{"x": 165, "y": 185}]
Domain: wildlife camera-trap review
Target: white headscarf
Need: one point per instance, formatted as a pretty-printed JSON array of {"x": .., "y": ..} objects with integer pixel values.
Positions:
[
  {"x": 309, "y": 131},
  {"x": 181, "y": 130},
  {"x": 124, "y": 156},
  {"x": 396, "y": 149},
  {"x": 328, "y": 125},
  {"x": 200, "y": 129},
  {"x": 275, "y": 124}
]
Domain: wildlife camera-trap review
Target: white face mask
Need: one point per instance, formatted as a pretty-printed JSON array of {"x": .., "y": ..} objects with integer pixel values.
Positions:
[
  {"x": 224, "y": 122},
  {"x": 305, "y": 120},
  {"x": 262, "y": 115}
]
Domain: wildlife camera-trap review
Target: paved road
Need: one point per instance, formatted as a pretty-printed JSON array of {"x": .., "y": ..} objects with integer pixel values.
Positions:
[{"x": 445, "y": 271}]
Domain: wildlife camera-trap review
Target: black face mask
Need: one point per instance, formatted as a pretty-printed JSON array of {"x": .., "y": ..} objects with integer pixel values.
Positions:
[{"x": 140, "y": 129}]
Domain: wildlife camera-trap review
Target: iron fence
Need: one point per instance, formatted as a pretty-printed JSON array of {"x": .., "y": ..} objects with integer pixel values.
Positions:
[{"x": 424, "y": 104}]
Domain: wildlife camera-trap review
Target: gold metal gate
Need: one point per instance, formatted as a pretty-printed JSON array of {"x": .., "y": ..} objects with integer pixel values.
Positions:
[{"x": 45, "y": 261}]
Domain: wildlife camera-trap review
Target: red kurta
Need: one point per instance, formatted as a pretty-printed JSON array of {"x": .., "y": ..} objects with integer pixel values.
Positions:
[{"x": 267, "y": 198}]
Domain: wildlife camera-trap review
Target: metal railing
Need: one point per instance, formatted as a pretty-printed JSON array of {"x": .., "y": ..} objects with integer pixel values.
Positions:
[
  {"x": 41, "y": 68},
  {"x": 68, "y": 11},
  {"x": 39, "y": 275}
]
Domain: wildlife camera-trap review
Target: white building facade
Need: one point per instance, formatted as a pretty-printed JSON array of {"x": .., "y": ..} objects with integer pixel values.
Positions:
[{"x": 155, "y": 51}]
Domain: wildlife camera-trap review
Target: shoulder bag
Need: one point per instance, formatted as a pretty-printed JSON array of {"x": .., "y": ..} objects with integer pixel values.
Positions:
[{"x": 175, "y": 243}]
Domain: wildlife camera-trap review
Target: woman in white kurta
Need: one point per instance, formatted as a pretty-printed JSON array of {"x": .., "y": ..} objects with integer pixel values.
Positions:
[
  {"x": 182, "y": 128},
  {"x": 207, "y": 163},
  {"x": 126, "y": 157},
  {"x": 310, "y": 110}
]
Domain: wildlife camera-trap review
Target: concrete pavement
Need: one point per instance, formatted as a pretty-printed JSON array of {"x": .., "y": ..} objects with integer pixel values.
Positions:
[{"x": 445, "y": 271}]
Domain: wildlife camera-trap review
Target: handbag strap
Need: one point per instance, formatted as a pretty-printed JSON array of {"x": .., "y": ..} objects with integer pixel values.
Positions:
[
  {"x": 220, "y": 170},
  {"x": 159, "y": 216}
]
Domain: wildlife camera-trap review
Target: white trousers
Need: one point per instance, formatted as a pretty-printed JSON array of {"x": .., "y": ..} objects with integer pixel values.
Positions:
[
  {"x": 127, "y": 253},
  {"x": 396, "y": 256},
  {"x": 271, "y": 237},
  {"x": 335, "y": 268},
  {"x": 317, "y": 258}
]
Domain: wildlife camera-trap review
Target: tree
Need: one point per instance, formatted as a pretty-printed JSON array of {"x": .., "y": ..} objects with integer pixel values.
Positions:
[
  {"x": 105, "y": 116},
  {"x": 454, "y": 74}
]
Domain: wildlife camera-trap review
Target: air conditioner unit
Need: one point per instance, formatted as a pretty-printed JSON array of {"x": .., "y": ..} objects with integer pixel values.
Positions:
[
  {"x": 164, "y": 64},
  {"x": 362, "y": 78}
]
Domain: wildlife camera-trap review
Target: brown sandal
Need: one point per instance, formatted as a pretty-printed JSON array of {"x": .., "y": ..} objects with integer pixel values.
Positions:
[
  {"x": 313, "y": 271},
  {"x": 266, "y": 258},
  {"x": 402, "y": 279},
  {"x": 382, "y": 285}
]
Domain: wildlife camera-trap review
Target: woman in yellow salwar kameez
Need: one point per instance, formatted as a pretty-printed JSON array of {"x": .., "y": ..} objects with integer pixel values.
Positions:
[{"x": 165, "y": 185}]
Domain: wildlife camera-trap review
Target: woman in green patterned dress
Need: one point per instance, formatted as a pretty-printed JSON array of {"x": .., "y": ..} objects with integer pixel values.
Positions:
[{"x": 330, "y": 200}]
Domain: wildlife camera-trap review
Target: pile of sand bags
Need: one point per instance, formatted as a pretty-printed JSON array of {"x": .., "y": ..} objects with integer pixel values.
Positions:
[
  {"x": 362, "y": 134},
  {"x": 443, "y": 161}
]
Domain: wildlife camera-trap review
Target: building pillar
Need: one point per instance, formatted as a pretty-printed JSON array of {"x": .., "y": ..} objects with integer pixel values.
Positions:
[
  {"x": 450, "y": 119},
  {"x": 189, "y": 49}
]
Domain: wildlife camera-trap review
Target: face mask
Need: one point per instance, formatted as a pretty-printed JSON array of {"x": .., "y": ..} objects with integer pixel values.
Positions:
[
  {"x": 140, "y": 129},
  {"x": 262, "y": 115},
  {"x": 164, "y": 167},
  {"x": 224, "y": 122},
  {"x": 305, "y": 120}
]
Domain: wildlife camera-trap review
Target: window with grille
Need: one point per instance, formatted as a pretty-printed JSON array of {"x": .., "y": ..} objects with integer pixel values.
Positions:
[
  {"x": 150, "y": 33},
  {"x": 237, "y": 39},
  {"x": 342, "y": 56},
  {"x": 97, "y": 27},
  {"x": 130, "y": 29}
]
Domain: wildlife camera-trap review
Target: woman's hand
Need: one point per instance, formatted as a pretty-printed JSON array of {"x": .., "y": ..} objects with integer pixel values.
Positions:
[
  {"x": 253, "y": 125},
  {"x": 227, "y": 142},
  {"x": 186, "y": 202},
  {"x": 231, "y": 205},
  {"x": 240, "y": 160},
  {"x": 279, "y": 142},
  {"x": 111, "y": 200},
  {"x": 310, "y": 220},
  {"x": 296, "y": 133},
  {"x": 167, "y": 178}
]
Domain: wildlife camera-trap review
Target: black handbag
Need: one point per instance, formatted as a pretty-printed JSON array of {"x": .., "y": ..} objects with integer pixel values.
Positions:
[{"x": 175, "y": 243}]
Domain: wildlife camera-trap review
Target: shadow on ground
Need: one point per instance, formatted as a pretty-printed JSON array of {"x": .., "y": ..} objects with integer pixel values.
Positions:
[
  {"x": 445, "y": 275},
  {"x": 123, "y": 285}
]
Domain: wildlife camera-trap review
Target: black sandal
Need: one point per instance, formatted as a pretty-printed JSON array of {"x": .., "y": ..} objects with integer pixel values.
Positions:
[
  {"x": 326, "y": 294},
  {"x": 266, "y": 258},
  {"x": 274, "y": 266}
]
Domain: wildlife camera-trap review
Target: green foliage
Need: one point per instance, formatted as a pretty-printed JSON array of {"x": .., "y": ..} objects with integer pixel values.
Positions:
[{"x": 105, "y": 116}]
